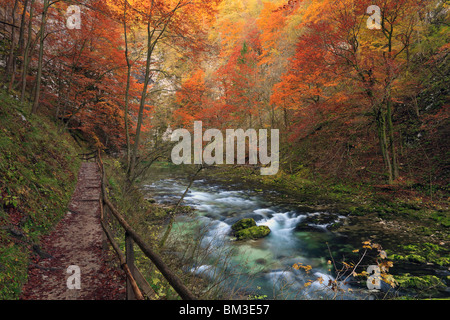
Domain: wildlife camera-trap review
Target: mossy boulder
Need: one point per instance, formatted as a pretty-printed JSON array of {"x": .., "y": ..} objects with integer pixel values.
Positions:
[
  {"x": 243, "y": 224},
  {"x": 423, "y": 253},
  {"x": 255, "y": 232},
  {"x": 420, "y": 283},
  {"x": 246, "y": 229}
]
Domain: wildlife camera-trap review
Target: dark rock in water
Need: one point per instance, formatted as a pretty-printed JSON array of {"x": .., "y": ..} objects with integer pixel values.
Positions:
[
  {"x": 304, "y": 227},
  {"x": 316, "y": 223},
  {"x": 256, "y": 232},
  {"x": 244, "y": 224}
]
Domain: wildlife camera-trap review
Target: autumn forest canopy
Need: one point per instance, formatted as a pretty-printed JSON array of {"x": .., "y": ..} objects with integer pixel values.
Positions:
[{"x": 354, "y": 99}]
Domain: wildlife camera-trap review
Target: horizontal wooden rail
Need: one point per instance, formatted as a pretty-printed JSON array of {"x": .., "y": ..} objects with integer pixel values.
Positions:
[
  {"x": 134, "y": 276},
  {"x": 174, "y": 281}
]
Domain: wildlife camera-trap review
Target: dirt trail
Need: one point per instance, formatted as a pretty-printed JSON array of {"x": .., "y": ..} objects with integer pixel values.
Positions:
[{"x": 77, "y": 241}]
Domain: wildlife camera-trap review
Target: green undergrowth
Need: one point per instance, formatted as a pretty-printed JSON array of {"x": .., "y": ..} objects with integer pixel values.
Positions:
[{"x": 38, "y": 173}]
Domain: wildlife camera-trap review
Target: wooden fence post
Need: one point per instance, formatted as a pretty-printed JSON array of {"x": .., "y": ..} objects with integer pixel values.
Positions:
[{"x": 129, "y": 253}]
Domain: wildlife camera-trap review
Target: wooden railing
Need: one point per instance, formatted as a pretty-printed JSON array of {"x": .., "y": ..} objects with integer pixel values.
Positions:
[{"x": 136, "y": 283}]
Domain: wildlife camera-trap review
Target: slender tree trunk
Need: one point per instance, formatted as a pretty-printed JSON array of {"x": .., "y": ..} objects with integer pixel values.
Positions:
[
  {"x": 127, "y": 92},
  {"x": 26, "y": 53},
  {"x": 381, "y": 124},
  {"x": 22, "y": 28},
  {"x": 393, "y": 174},
  {"x": 11, "y": 58},
  {"x": 286, "y": 118},
  {"x": 390, "y": 128},
  {"x": 41, "y": 58},
  {"x": 21, "y": 45},
  {"x": 142, "y": 104}
]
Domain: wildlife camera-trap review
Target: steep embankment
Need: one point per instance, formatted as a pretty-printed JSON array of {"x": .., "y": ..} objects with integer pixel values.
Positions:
[{"x": 38, "y": 170}]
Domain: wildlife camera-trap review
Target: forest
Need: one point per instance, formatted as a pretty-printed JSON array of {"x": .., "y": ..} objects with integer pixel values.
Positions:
[{"x": 358, "y": 90}]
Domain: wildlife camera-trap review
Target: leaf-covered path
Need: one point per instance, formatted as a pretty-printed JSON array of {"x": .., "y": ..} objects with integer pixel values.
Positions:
[{"x": 76, "y": 241}]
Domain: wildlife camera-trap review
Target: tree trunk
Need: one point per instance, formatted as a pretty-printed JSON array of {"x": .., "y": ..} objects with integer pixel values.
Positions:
[
  {"x": 127, "y": 92},
  {"x": 41, "y": 57},
  {"x": 11, "y": 57},
  {"x": 392, "y": 148},
  {"x": 381, "y": 124},
  {"x": 21, "y": 44},
  {"x": 26, "y": 53},
  {"x": 22, "y": 28},
  {"x": 142, "y": 104}
]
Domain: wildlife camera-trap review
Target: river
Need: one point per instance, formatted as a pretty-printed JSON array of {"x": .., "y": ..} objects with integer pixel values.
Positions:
[{"x": 259, "y": 268}]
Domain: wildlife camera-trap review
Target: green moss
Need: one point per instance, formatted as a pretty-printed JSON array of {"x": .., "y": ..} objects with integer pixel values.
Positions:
[
  {"x": 256, "y": 232},
  {"x": 243, "y": 224},
  {"x": 422, "y": 283},
  {"x": 416, "y": 258},
  {"x": 442, "y": 218},
  {"x": 423, "y": 253}
]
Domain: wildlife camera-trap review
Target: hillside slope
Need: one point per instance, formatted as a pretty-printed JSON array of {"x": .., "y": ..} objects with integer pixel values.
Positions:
[{"x": 38, "y": 170}]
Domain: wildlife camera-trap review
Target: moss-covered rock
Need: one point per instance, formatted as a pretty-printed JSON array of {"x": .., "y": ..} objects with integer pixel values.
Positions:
[
  {"x": 243, "y": 224},
  {"x": 423, "y": 253},
  {"x": 420, "y": 283},
  {"x": 255, "y": 232}
]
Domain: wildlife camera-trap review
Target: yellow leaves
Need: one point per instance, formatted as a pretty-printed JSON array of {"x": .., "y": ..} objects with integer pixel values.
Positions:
[
  {"x": 310, "y": 282},
  {"x": 367, "y": 245},
  {"x": 389, "y": 279},
  {"x": 346, "y": 265},
  {"x": 300, "y": 265},
  {"x": 375, "y": 269},
  {"x": 364, "y": 273}
]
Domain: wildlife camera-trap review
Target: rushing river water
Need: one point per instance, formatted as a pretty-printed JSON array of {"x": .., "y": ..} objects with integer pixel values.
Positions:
[{"x": 264, "y": 267}]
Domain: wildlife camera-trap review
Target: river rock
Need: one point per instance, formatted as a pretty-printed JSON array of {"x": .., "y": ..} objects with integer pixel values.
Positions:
[
  {"x": 246, "y": 229},
  {"x": 316, "y": 223},
  {"x": 244, "y": 224},
  {"x": 256, "y": 232}
]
